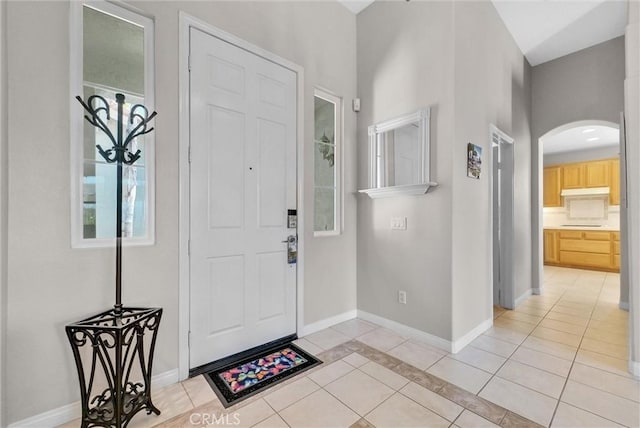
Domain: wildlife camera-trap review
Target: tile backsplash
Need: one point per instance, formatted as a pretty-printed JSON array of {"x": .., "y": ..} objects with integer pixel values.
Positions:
[
  {"x": 583, "y": 212},
  {"x": 587, "y": 209}
]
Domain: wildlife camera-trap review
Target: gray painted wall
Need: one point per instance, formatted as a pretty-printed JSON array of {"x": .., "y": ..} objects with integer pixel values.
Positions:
[
  {"x": 3, "y": 208},
  {"x": 632, "y": 119},
  {"x": 581, "y": 155},
  {"x": 62, "y": 285},
  {"x": 584, "y": 85},
  {"x": 492, "y": 85},
  {"x": 588, "y": 84},
  {"x": 405, "y": 61},
  {"x": 419, "y": 54}
]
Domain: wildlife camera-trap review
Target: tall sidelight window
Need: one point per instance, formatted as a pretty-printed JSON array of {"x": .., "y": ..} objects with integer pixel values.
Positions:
[
  {"x": 327, "y": 210},
  {"x": 112, "y": 52}
]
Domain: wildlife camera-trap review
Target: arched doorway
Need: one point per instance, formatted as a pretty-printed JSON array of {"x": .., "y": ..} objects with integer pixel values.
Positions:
[
  {"x": 584, "y": 140},
  {"x": 607, "y": 140}
]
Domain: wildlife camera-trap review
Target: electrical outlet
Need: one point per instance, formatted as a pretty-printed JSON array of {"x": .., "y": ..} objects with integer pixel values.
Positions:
[
  {"x": 402, "y": 297},
  {"x": 398, "y": 223}
]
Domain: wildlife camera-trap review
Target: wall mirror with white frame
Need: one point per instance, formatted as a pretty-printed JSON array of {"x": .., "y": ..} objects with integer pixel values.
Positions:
[
  {"x": 399, "y": 156},
  {"x": 111, "y": 52}
]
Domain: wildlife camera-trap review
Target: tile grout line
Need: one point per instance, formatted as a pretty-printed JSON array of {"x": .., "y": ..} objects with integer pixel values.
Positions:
[
  {"x": 595, "y": 368},
  {"x": 294, "y": 402},
  {"x": 349, "y": 407},
  {"x": 538, "y": 368},
  {"x": 431, "y": 410},
  {"x": 530, "y": 334},
  {"x": 564, "y": 387},
  {"x": 437, "y": 391},
  {"x": 493, "y": 375},
  {"x": 357, "y": 368},
  {"x": 397, "y": 391},
  {"x": 509, "y": 359},
  {"x": 193, "y": 404},
  {"x": 434, "y": 391},
  {"x": 275, "y": 412}
]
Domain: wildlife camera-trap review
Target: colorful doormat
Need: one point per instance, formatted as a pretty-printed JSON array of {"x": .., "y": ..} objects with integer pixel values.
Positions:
[{"x": 241, "y": 379}]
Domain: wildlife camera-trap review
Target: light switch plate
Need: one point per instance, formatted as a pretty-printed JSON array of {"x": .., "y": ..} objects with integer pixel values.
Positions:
[
  {"x": 398, "y": 223},
  {"x": 402, "y": 297}
]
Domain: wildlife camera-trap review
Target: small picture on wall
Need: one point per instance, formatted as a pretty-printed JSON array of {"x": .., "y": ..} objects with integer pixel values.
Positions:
[{"x": 474, "y": 160}]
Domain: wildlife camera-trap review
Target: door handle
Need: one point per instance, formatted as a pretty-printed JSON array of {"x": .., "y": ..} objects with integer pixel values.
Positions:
[{"x": 292, "y": 249}]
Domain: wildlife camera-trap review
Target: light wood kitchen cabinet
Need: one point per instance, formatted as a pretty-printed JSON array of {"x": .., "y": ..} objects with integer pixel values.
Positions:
[
  {"x": 614, "y": 180},
  {"x": 597, "y": 173},
  {"x": 582, "y": 249},
  {"x": 616, "y": 250},
  {"x": 552, "y": 188},
  {"x": 591, "y": 235},
  {"x": 573, "y": 176},
  {"x": 551, "y": 246},
  {"x": 600, "y": 173}
]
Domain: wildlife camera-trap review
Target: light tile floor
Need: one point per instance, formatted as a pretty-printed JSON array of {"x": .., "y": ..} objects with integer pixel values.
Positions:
[{"x": 558, "y": 360}]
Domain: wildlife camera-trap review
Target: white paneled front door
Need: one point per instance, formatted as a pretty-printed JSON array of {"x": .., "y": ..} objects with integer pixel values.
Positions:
[{"x": 243, "y": 180}]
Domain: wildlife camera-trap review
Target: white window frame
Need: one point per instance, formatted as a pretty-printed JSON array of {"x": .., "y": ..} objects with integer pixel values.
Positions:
[
  {"x": 77, "y": 122},
  {"x": 337, "y": 159}
]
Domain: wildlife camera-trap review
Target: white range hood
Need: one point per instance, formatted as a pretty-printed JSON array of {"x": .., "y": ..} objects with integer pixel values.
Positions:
[{"x": 591, "y": 191}]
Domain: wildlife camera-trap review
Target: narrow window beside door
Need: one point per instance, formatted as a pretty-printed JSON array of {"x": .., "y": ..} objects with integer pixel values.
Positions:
[
  {"x": 327, "y": 164},
  {"x": 111, "y": 52}
]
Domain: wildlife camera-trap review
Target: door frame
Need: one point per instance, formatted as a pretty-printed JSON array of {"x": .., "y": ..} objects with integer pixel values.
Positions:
[
  {"x": 186, "y": 22},
  {"x": 508, "y": 293}
]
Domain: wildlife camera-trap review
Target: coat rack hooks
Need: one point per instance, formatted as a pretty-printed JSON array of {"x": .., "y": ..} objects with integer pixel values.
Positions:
[
  {"x": 114, "y": 346},
  {"x": 119, "y": 154}
]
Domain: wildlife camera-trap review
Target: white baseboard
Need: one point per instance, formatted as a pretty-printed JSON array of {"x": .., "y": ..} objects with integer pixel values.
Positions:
[
  {"x": 634, "y": 368},
  {"x": 405, "y": 330},
  {"x": 459, "y": 344},
  {"x": 624, "y": 306},
  {"x": 51, "y": 418},
  {"x": 165, "y": 379},
  {"x": 536, "y": 291},
  {"x": 525, "y": 296},
  {"x": 73, "y": 411},
  {"x": 327, "y": 322}
]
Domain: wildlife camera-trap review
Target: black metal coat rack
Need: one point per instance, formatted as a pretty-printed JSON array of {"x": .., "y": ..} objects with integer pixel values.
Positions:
[{"x": 110, "y": 347}]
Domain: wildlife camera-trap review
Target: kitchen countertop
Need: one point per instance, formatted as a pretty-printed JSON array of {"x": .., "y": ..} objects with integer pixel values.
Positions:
[{"x": 604, "y": 228}]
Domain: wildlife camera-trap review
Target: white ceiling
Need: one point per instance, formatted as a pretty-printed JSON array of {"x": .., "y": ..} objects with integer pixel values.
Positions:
[
  {"x": 581, "y": 138},
  {"x": 548, "y": 29},
  {"x": 356, "y": 6}
]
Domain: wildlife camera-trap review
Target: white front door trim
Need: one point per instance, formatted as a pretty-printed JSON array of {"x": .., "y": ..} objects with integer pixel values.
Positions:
[{"x": 186, "y": 23}]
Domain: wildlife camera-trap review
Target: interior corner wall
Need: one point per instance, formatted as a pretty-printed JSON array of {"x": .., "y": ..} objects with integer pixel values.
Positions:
[
  {"x": 405, "y": 62},
  {"x": 59, "y": 284},
  {"x": 584, "y": 85},
  {"x": 492, "y": 86},
  {"x": 458, "y": 58},
  {"x": 3, "y": 207},
  {"x": 632, "y": 119}
]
